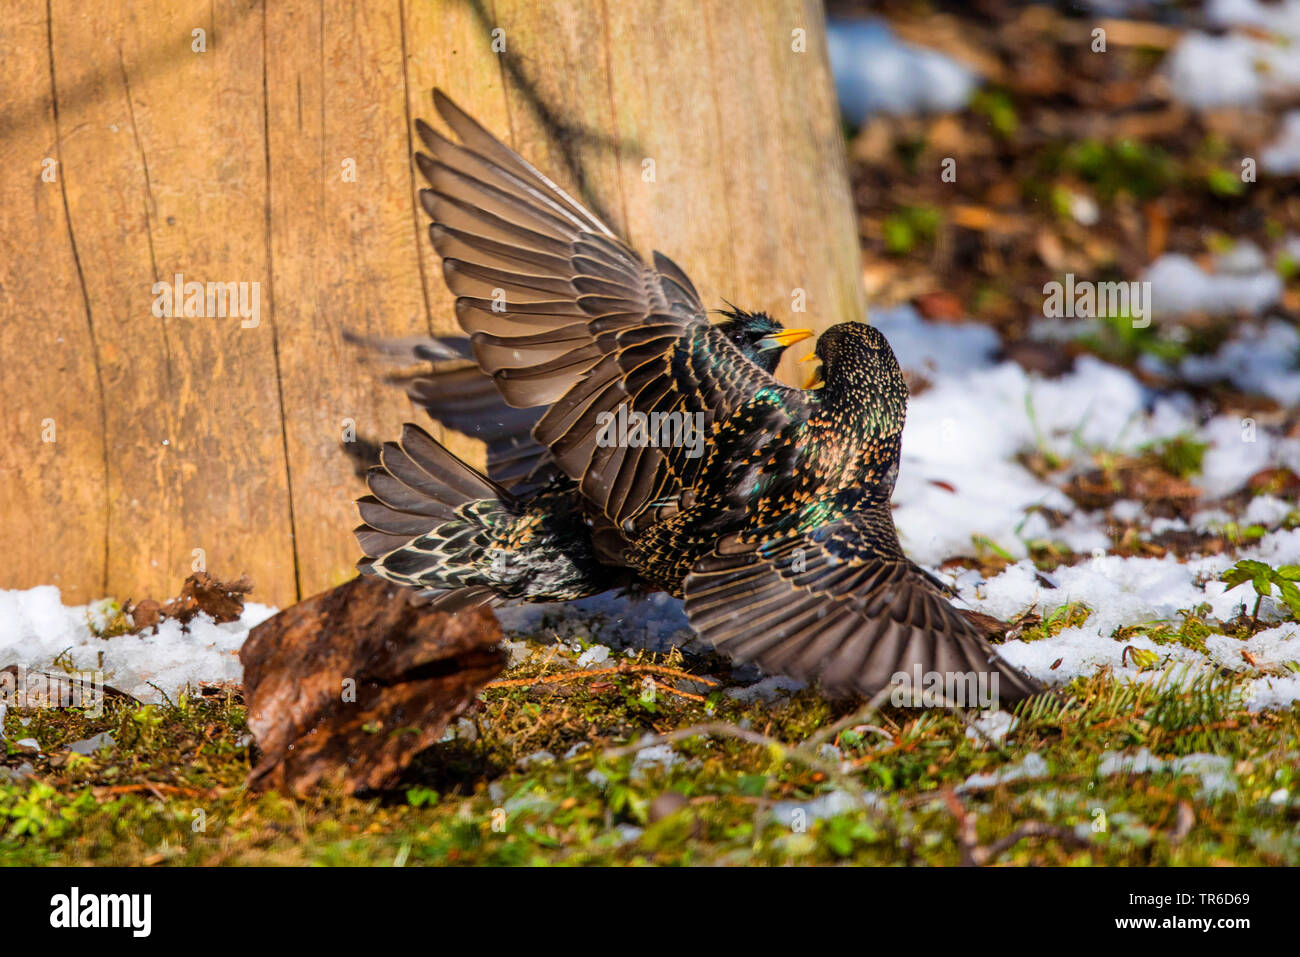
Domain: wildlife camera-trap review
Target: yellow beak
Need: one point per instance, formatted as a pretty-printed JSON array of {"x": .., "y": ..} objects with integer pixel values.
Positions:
[
  {"x": 784, "y": 338},
  {"x": 789, "y": 337},
  {"x": 814, "y": 380}
]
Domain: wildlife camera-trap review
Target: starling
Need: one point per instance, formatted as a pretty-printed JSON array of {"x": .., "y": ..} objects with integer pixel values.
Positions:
[
  {"x": 467, "y": 401},
  {"x": 775, "y": 529},
  {"x": 435, "y": 523}
]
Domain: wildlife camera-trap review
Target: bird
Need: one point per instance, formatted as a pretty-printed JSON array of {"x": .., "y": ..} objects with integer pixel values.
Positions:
[
  {"x": 464, "y": 538},
  {"x": 775, "y": 529},
  {"x": 459, "y": 396}
]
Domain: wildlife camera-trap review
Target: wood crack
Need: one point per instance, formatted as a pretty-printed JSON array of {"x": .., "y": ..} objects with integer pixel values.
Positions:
[
  {"x": 151, "y": 208},
  {"x": 270, "y": 301},
  {"x": 85, "y": 292}
]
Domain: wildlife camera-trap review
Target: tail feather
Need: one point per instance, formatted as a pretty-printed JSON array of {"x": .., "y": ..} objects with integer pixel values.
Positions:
[
  {"x": 375, "y": 542},
  {"x": 444, "y": 475},
  {"x": 388, "y": 490},
  {"x": 460, "y": 598},
  {"x": 426, "y": 520},
  {"x": 381, "y": 518},
  {"x": 467, "y": 401},
  {"x": 436, "y": 524}
]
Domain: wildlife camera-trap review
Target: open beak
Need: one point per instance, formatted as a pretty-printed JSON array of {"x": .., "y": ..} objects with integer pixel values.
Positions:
[
  {"x": 784, "y": 338},
  {"x": 814, "y": 380}
]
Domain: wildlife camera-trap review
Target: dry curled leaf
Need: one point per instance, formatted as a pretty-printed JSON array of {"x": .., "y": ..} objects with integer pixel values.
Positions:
[{"x": 354, "y": 682}]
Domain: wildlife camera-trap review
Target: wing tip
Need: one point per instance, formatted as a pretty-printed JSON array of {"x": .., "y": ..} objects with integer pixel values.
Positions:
[{"x": 445, "y": 105}]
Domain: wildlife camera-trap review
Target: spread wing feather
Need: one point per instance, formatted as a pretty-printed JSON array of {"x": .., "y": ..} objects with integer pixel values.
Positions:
[
  {"x": 840, "y": 604},
  {"x": 457, "y": 394},
  {"x": 562, "y": 313}
]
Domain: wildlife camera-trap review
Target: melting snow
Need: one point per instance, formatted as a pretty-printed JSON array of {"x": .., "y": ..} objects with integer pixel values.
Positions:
[
  {"x": 1282, "y": 156},
  {"x": 1239, "y": 68},
  {"x": 36, "y": 628},
  {"x": 1243, "y": 283},
  {"x": 875, "y": 72}
]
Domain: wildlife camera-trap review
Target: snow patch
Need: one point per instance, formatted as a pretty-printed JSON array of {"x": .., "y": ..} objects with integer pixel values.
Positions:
[
  {"x": 1282, "y": 156},
  {"x": 1238, "y": 69},
  {"x": 1179, "y": 285},
  {"x": 36, "y": 628},
  {"x": 875, "y": 72}
]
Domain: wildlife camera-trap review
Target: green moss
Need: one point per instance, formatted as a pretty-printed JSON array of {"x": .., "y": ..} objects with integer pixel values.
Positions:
[
  {"x": 1190, "y": 631},
  {"x": 108, "y": 619},
  {"x": 1127, "y": 166},
  {"x": 1286, "y": 266},
  {"x": 171, "y": 789},
  {"x": 909, "y": 227},
  {"x": 1181, "y": 456},
  {"x": 996, "y": 107},
  {"x": 1117, "y": 339},
  {"x": 1071, "y": 615}
]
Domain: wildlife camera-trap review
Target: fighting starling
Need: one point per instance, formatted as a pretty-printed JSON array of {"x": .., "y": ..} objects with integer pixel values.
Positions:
[
  {"x": 776, "y": 529},
  {"x": 466, "y": 400},
  {"x": 517, "y": 534}
]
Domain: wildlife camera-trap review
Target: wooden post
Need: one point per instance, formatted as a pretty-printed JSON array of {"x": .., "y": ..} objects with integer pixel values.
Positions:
[{"x": 269, "y": 144}]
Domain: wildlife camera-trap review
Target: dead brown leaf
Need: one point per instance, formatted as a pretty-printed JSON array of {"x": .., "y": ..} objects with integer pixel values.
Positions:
[{"x": 354, "y": 682}]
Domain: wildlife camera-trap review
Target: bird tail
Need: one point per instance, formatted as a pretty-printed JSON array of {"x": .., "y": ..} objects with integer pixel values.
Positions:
[{"x": 430, "y": 522}]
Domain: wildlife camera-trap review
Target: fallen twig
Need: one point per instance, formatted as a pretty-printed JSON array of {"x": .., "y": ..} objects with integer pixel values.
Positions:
[
  {"x": 973, "y": 854},
  {"x": 723, "y": 729},
  {"x": 155, "y": 788}
]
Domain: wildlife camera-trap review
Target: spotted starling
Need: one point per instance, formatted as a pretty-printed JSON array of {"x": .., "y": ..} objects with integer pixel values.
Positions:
[
  {"x": 465, "y": 400},
  {"x": 775, "y": 529},
  {"x": 435, "y": 523}
]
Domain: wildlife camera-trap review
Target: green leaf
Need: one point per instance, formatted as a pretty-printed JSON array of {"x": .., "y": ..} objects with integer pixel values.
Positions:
[
  {"x": 1144, "y": 659},
  {"x": 1263, "y": 582},
  {"x": 1224, "y": 182},
  {"x": 1290, "y": 595},
  {"x": 1244, "y": 571}
]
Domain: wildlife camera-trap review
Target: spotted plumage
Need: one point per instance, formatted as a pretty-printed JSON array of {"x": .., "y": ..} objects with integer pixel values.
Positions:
[
  {"x": 521, "y": 532},
  {"x": 775, "y": 529}
]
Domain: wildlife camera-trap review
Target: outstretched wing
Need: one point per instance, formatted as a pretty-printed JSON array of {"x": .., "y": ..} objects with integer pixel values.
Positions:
[
  {"x": 840, "y": 604},
  {"x": 459, "y": 396},
  {"x": 466, "y": 400},
  {"x": 563, "y": 313}
]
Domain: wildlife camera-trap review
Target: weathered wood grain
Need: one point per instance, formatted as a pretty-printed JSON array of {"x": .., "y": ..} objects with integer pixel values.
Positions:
[
  {"x": 53, "y": 494},
  {"x": 344, "y": 251},
  {"x": 183, "y": 433}
]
